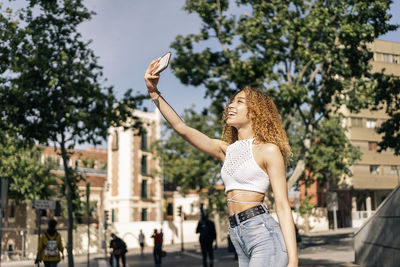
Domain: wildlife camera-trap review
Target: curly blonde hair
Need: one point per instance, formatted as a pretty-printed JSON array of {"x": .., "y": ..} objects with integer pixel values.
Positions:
[{"x": 266, "y": 122}]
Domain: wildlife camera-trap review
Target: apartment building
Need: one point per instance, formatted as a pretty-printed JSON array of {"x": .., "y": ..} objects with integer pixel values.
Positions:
[
  {"x": 134, "y": 177},
  {"x": 376, "y": 174}
]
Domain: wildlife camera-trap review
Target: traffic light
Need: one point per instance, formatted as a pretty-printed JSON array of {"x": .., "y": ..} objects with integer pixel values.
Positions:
[
  {"x": 179, "y": 211},
  {"x": 106, "y": 218}
]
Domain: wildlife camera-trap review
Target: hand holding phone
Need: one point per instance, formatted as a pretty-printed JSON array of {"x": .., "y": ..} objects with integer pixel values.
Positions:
[{"x": 163, "y": 63}]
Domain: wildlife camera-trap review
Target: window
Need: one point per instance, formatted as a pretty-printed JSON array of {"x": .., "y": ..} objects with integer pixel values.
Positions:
[
  {"x": 371, "y": 123},
  {"x": 144, "y": 141},
  {"x": 386, "y": 57},
  {"x": 170, "y": 209},
  {"x": 393, "y": 169},
  {"x": 374, "y": 169},
  {"x": 77, "y": 164},
  {"x": 394, "y": 59},
  {"x": 114, "y": 144},
  {"x": 356, "y": 122},
  {"x": 144, "y": 214},
  {"x": 144, "y": 164},
  {"x": 112, "y": 215},
  {"x": 372, "y": 146},
  {"x": 12, "y": 211},
  {"x": 57, "y": 211},
  {"x": 43, "y": 213},
  {"x": 144, "y": 189}
]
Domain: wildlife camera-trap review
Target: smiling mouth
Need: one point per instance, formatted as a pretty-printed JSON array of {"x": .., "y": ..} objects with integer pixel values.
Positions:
[{"x": 230, "y": 114}]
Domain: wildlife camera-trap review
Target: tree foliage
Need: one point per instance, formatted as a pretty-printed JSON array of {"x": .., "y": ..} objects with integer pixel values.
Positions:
[
  {"x": 387, "y": 98},
  {"x": 20, "y": 164},
  {"x": 187, "y": 167},
  {"x": 51, "y": 85},
  {"x": 331, "y": 155},
  {"x": 310, "y": 56}
]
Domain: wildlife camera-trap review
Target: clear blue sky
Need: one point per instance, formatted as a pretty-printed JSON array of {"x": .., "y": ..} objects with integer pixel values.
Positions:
[{"x": 127, "y": 35}]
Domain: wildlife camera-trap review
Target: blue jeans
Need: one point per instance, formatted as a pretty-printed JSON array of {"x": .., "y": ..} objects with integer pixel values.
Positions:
[{"x": 259, "y": 242}]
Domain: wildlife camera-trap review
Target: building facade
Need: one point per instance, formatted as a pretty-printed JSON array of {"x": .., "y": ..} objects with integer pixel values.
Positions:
[
  {"x": 377, "y": 173},
  {"x": 134, "y": 178},
  {"x": 20, "y": 221}
]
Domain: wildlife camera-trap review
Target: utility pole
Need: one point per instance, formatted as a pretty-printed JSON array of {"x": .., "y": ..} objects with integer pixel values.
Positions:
[
  {"x": 180, "y": 214},
  {"x": 88, "y": 221},
  {"x": 3, "y": 204},
  {"x": 162, "y": 184}
]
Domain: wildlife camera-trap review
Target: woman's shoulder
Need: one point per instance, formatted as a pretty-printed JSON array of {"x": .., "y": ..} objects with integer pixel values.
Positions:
[{"x": 269, "y": 150}]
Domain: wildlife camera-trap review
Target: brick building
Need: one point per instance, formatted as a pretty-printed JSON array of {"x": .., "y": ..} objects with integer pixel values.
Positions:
[{"x": 20, "y": 222}]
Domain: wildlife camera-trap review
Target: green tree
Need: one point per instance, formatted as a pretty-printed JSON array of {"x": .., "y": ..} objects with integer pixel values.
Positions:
[
  {"x": 52, "y": 86},
  {"x": 331, "y": 155},
  {"x": 20, "y": 164},
  {"x": 310, "y": 56},
  {"x": 387, "y": 97}
]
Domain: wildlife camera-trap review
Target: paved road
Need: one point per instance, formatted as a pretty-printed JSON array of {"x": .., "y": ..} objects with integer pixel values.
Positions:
[
  {"x": 315, "y": 251},
  {"x": 328, "y": 250}
]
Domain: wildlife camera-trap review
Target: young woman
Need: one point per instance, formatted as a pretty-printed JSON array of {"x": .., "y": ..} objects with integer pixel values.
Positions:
[
  {"x": 50, "y": 246},
  {"x": 254, "y": 151}
]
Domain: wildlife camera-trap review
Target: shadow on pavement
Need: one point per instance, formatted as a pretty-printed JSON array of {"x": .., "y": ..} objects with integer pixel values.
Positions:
[{"x": 324, "y": 263}]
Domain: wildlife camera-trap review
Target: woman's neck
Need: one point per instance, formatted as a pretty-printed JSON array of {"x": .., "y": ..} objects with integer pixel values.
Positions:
[{"x": 245, "y": 133}]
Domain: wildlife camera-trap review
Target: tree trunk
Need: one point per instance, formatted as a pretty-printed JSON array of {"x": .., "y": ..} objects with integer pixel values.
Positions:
[
  {"x": 307, "y": 222},
  {"x": 69, "y": 207},
  {"x": 301, "y": 164},
  {"x": 298, "y": 171}
]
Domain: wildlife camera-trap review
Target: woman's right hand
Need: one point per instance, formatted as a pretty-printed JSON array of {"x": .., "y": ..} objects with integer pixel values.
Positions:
[{"x": 150, "y": 79}]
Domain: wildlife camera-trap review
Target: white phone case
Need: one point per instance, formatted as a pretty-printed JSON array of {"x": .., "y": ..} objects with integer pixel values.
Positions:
[{"x": 163, "y": 64}]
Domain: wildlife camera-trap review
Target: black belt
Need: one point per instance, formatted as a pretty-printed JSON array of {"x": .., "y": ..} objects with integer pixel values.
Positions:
[{"x": 236, "y": 219}]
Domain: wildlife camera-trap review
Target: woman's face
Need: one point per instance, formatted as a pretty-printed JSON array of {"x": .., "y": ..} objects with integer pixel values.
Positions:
[{"x": 237, "y": 111}]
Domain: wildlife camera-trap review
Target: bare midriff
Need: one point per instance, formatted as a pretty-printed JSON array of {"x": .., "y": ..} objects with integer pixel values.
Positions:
[{"x": 248, "y": 198}]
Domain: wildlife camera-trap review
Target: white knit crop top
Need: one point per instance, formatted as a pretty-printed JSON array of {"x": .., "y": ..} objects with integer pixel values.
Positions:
[{"x": 241, "y": 171}]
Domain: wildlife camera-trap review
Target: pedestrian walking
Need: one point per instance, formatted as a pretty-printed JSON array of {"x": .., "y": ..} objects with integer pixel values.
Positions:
[
  {"x": 50, "y": 246},
  {"x": 206, "y": 229},
  {"x": 157, "y": 251},
  {"x": 255, "y": 150},
  {"x": 118, "y": 252},
  {"x": 141, "y": 241}
]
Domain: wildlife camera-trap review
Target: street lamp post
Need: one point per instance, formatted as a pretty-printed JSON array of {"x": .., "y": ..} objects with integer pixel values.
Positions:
[
  {"x": 3, "y": 204},
  {"x": 162, "y": 181}
]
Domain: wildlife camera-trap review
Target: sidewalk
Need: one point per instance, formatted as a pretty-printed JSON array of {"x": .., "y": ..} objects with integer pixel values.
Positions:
[
  {"x": 99, "y": 259},
  {"x": 78, "y": 260},
  {"x": 340, "y": 231}
]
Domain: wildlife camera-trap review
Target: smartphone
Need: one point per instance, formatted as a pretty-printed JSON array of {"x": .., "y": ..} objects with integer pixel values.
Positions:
[{"x": 163, "y": 63}]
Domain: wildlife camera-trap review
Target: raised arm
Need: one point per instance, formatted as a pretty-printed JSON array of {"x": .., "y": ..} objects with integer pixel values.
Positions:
[{"x": 213, "y": 147}]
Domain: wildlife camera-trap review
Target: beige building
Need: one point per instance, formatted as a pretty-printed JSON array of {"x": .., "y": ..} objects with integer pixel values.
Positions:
[
  {"x": 136, "y": 199},
  {"x": 133, "y": 200},
  {"x": 133, "y": 172},
  {"x": 376, "y": 174},
  {"x": 20, "y": 221}
]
